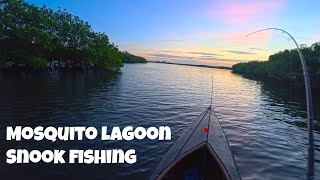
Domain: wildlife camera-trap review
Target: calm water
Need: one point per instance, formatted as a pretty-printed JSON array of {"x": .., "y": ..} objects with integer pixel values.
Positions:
[{"x": 264, "y": 122}]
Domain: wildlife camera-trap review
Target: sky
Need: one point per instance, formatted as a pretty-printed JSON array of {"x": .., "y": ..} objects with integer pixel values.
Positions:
[{"x": 210, "y": 32}]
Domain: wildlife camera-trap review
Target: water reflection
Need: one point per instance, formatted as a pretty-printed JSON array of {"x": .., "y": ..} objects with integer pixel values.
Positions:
[
  {"x": 265, "y": 125},
  {"x": 289, "y": 98},
  {"x": 39, "y": 96}
]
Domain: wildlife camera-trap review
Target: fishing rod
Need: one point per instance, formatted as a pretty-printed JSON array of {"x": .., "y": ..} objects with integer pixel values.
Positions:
[{"x": 310, "y": 165}]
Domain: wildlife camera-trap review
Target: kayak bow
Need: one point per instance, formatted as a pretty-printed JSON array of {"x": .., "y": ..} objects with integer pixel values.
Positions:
[{"x": 202, "y": 152}]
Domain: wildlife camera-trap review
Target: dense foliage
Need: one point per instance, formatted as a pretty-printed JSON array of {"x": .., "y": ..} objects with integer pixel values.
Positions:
[
  {"x": 33, "y": 38},
  {"x": 284, "y": 65},
  {"x": 130, "y": 58}
]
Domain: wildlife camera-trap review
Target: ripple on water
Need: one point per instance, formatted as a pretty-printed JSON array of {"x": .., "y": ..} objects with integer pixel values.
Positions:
[{"x": 265, "y": 126}]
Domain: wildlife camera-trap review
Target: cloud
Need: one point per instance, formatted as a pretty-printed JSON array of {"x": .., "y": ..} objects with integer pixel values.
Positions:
[
  {"x": 241, "y": 52},
  {"x": 241, "y": 12},
  {"x": 172, "y": 53},
  {"x": 207, "y": 56},
  {"x": 192, "y": 52},
  {"x": 203, "y": 53},
  {"x": 256, "y": 49},
  {"x": 169, "y": 56},
  {"x": 219, "y": 59}
]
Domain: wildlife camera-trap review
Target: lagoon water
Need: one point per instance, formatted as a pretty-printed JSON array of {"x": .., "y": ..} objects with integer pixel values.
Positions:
[{"x": 265, "y": 122}]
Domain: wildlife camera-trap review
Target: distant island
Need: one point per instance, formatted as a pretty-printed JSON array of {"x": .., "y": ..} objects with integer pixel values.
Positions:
[
  {"x": 284, "y": 65},
  {"x": 37, "y": 39},
  {"x": 196, "y": 65}
]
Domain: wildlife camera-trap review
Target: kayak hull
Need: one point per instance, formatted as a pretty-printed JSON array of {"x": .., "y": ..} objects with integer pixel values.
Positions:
[{"x": 202, "y": 152}]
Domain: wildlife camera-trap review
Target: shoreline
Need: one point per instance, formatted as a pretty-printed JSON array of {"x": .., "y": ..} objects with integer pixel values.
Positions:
[{"x": 207, "y": 66}]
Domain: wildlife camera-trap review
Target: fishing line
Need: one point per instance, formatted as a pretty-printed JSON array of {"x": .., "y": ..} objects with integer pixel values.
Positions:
[
  {"x": 208, "y": 126},
  {"x": 211, "y": 108},
  {"x": 211, "y": 90}
]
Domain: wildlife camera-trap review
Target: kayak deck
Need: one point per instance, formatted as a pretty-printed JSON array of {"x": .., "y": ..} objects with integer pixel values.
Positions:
[{"x": 202, "y": 152}]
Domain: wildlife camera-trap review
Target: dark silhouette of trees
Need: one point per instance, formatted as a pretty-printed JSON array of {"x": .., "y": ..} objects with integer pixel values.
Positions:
[
  {"x": 33, "y": 38},
  {"x": 284, "y": 65},
  {"x": 129, "y": 58}
]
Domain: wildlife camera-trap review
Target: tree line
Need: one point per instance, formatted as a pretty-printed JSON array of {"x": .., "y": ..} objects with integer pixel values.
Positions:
[
  {"x": 38, "y": 38},
  {"x": 130, "y": 58},
  {"x": 284, "y": 65}
]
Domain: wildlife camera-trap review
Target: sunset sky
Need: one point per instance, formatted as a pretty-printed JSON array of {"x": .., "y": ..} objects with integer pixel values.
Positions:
[{"x": 198, "y": 31}]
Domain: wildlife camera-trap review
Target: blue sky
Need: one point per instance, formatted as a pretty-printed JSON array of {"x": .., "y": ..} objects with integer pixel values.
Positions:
[{"x": 198, "y": 31}]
